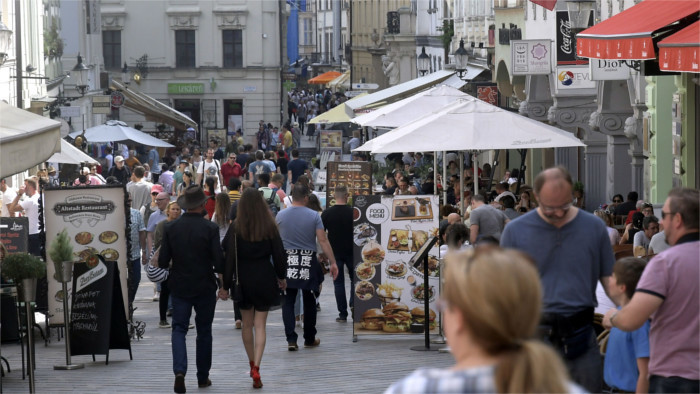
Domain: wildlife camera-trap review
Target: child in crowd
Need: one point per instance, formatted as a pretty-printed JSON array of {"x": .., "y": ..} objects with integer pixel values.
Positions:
[{"x": 627, "y": 355}]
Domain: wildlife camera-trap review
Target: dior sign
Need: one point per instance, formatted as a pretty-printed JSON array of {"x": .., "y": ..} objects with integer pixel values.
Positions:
[{"x": 607, "y": 70}]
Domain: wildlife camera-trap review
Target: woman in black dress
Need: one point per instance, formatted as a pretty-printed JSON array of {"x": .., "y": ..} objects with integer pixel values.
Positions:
[{"x": 254, "y": 241}]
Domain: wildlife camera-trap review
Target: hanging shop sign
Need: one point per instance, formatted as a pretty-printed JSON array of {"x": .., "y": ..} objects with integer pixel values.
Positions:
[{"x": 531, "y": 57}]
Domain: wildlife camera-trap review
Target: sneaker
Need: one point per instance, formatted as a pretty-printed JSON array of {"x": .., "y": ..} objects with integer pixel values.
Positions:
[
  {"x": 163, "y": 324},
  {"x": 238, "y": 324},
  {"x": 341, "y": 319},
  {"x": 203, "y": 384},
  {"x": 315, "y": 343},
  {"x": 318, "y": 307},
  {"x": 191, "y": 326},
  {"x": 180, "y": 384},
  {"x": 292, "y": 346},
  {"x": 156, "y": 296}
]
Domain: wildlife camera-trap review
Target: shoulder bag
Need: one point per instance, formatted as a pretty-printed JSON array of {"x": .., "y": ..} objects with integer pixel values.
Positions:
[
  {"x": 153, "y": 272},
  {"x": 236, "y": 292}
]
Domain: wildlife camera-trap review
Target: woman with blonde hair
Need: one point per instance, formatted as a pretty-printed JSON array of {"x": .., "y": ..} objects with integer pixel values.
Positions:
[
  {"x": 490, "y": 330},
  {"x": 606, "y": 217},
  {"x": 253, "y": 242},
  {"x": 222, "y": 206}
]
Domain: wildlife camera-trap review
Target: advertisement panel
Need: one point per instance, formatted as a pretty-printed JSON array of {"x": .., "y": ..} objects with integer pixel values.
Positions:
[
  {"x": 96, "y": 221},
  {"x": 531, "y": 57},
  {"x": 14, "y": 234},
  {"x": 566, "y": 41},
  {"x": 609, "y": 70},
  {"x": 389, "y": 291},
  {"x": 574, "y": 78},
  {"x": 355, "y": 175},
  {"x": 331, "y": 144}
]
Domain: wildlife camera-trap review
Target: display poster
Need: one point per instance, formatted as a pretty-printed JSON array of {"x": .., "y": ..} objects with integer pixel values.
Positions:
[
  {"x": 14, "y": 234},
  {"x": 355, "y": 175},
  {"x": 389, "y": 292},
  {"x": 331, "y": 142},
  {"x": 217, "y": 134},
  {"x": 235, "y": 122},
  {"x": 96, "y": 221},
  {"x": 566, "y": 40}
]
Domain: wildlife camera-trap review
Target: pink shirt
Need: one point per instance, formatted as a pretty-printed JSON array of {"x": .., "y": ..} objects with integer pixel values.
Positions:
[
  {"x": 674, "y": 337},
  {"x": 280, "y": 192},
  {"x": 92, "y": 180}
]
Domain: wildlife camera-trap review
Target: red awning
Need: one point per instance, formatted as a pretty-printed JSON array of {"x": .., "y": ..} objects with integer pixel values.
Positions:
[
  {"x": 629, "y": 35},
  {"x": 681, "y": 51},
  {"x": 548, "y": 4}
]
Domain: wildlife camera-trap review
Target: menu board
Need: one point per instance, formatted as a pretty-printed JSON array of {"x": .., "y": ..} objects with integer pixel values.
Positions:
[
  {"x": 14, "y": 234},
  {"x": 95, "y": 219},
  {"x": 355, "y": 175},
  {"x": 389, "y": 291},
  {"x": 331, "y": 144}
]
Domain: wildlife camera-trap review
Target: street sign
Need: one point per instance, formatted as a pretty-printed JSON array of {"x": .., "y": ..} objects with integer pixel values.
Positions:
[
  {"x": 69, "y": 112},
  {"x": 101, "y": 105},
  {"x": 289, "y": 76},
  {"x": 368, "y": 86},
  {"x": 353, "y": 93}
]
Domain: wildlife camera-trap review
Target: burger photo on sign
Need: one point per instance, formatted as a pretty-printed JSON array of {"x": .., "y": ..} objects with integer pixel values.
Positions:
[
  {"x": 372, "y": 319},
  {"x": 397, "y": 317}
]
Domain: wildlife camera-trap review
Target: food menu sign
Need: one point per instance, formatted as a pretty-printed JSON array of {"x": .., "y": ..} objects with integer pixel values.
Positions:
[
  {"x": 389, "y": 291},
  {"x": 94, "y": 218},
  {"x": 14, "y": 234},
  {"x": 354, "y": 175}
]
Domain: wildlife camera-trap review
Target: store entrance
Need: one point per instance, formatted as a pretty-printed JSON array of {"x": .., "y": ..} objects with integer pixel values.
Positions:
[{"x": 190, "y": 108}]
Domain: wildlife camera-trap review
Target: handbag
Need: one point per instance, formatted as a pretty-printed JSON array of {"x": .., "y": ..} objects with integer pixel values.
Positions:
[
  {"x": 153, "y": 272},
  {"x": 236, "y": 292}
]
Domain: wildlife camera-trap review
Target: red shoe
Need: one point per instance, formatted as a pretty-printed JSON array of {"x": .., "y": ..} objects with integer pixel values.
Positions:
[
  {"x": 252, "y": 365},
  {"x": 257, "y": 383}
]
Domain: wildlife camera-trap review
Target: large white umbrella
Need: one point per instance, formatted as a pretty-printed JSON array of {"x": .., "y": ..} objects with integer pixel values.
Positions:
[
  {"x": 118, "y": 131},
  {"x": 411, "y": 108},
  {"x": 472, "y": 124},
  {"x": 69, "y": 154}
]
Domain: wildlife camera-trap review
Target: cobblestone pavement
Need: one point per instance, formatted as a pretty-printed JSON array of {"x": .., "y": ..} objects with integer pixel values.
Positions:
[{"x": 337, "y": 366}]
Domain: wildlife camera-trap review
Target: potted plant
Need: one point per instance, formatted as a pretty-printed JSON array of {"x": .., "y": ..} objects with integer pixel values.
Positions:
[
  {"x": 24, "y": 269},
  {"x": 61, "y": 253}
]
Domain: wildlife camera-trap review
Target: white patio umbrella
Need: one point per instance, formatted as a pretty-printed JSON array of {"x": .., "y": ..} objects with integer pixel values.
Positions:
[
  {"x": 411, "y": 108},
  {"x": 118, "y": 131},
  {"x": 69, "y": 154}
]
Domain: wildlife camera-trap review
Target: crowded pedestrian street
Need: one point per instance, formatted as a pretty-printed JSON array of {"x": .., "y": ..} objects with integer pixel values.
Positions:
[{"x": 350, "y": 196}]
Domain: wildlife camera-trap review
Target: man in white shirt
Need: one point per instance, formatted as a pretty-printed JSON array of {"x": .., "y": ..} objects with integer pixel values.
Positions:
[
  {"x": 30, "y": 207},
  {"x": 8, "y": 194},
  {"x": 139, "y": 189},
  {"x": 210, "y": 167}
]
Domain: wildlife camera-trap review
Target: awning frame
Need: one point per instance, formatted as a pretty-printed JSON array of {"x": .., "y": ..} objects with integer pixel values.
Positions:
[{"x": 153, "y": 109}]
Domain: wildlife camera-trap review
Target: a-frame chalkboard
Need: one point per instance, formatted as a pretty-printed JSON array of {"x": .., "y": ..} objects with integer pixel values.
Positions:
[{"x": 98, "y": 322}]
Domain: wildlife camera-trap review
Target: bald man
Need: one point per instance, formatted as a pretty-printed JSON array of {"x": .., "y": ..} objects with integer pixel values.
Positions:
[
  {"x": 572, "y": 252},
  {"x": 162, "y": 200}
]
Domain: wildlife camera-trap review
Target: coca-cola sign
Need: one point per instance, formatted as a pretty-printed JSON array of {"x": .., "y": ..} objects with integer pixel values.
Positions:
[{"x": 566, "y": 41}]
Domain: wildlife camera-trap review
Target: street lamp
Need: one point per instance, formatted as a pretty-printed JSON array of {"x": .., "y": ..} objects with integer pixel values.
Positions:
[
  {"x": 81, "y": 84},
  {"x": 125, "y": 75},
  {"x": 5, "y": 41},
  {"x": 579, "y": 15},
  {"x": 461, "y": 58},
  {"x": 423, "y": 62}
]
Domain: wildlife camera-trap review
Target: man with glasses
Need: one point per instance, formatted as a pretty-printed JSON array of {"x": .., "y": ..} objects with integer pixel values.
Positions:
[
  {"x": 572, "y": 251},
  {"x": 668, "y": 293},
  {"x": 230, "y": 169}
]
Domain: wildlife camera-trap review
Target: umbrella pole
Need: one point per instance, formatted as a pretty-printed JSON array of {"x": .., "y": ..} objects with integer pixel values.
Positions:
[
  {"x": 435, "y": 174},
  {"x": 521, "y": 173},
  {"x": 444, "y": 178},
  {"x": 476, "y": 173},
  {"x": 461, "y": 183}
]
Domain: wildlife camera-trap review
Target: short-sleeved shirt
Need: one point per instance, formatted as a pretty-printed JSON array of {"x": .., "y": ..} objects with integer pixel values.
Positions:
[
  {"x": 674, "y": 336},
  {"x": 31, "y": 211},
  {"x": 156, "y": 217},
  {"x": 297, "y": 167},
  {"x": 258, "y": 167},
  {"x": 140, "y": 193},
  {"x": 154, "y": 161},
  {"x": 210, "y": 169},
  {"x": 570, "y": 259},
  {"x": 298, "y": 227},
  {"x": 490, "y": 221},
  {"x": 177, "y": 178},
  {"x": 137, "y": 225},
  {"x": 338, "y": 221},
  {"x": 658, "y": 243},
  {"x": 267, "y": 193},
  {"x": 7, "y": 197},
  {"x": 624, "y": 348},
  {"x": 166, "y": 179},
  {"x": 640, "y": 239}
]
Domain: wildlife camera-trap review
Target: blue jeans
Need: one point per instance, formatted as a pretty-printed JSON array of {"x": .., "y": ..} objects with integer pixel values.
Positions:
[
  {"x": 309, "y": 315},
  {"x": 135, "y": 279},
  {"x": 339, "y": 286},
  {"x": 672, "y": 384},
  {"x": 204, "y": 306}
]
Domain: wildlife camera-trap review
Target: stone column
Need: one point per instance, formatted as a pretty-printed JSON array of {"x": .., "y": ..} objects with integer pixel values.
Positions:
[{"x": 570, "y": 113}]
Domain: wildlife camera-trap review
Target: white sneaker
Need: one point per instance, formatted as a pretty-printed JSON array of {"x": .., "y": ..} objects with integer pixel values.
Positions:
[{"x": 156, "y": 296}]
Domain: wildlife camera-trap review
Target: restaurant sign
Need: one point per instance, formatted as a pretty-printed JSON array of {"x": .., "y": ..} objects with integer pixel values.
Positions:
[{"x": 185, "y": 88}]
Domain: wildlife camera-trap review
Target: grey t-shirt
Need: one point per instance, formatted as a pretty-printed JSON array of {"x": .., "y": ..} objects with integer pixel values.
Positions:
[
  {"x": 570, "y": 259},
  {"x": 640, "y": 239},
  {"x": 658, "y": 243},
  {"x": 298, "y": 227},
  {"x": 490, "y": 221}
]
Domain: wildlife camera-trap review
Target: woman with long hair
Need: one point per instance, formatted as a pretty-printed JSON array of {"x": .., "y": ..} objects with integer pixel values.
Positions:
[
  {"x": 221, "y": 212},
  {"x": 172, "y": 212},
  {"x": 210, "y": 191},
  {"x": 196, "y": 157},
  {"x": 525, "y": 202},
  {"x": 606, "y": 217},
  {"x": 491, "y": 330},
  {"x": 187, "y": 181},
  {"x": 254, "y": 240}
]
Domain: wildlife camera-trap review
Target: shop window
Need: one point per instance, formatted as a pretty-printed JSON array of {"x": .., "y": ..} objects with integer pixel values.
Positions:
[
  {"x": 112, "y": 49},
  {"x": 233, "y": 48},
  {"x": 185, "y": 49}
]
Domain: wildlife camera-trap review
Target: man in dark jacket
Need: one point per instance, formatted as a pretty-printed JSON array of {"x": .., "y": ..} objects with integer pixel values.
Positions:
[{"x": 192, "y": 252}]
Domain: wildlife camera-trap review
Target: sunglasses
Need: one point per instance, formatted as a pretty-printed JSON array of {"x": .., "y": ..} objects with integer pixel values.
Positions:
[
  {"x": 617, "y": 201},
  {"x": 154, "y": 193},
  {"x": 664, "y": 214}
]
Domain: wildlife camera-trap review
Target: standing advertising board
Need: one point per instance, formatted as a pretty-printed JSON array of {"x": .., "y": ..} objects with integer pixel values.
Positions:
[
  {"x": 96, "y": 221},
  {"x": 355, "y": 175},
  {"x": 331, "y": 142},
  {"x": 14, "y": 234},
  {"x": 389, "y": 293}
]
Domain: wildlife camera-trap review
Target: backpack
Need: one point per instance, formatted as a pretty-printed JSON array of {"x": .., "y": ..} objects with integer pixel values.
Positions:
[
  {"x": 204, "y": 175},
  {"x": 271, "y": 201}
]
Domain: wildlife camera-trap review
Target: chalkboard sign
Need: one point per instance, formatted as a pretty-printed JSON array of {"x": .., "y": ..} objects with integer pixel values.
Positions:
[
  {"x": 14, "y": 233},
  {"x": 98, "y": 322}
]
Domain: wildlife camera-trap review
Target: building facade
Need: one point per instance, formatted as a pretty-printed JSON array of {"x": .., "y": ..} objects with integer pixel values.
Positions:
[{"x": 218, "y": 62}]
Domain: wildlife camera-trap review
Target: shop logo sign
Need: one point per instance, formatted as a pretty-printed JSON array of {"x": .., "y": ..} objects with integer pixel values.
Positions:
[
  {"x": 86, "y": 207},
  {"x": 566, "y": 78}
]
